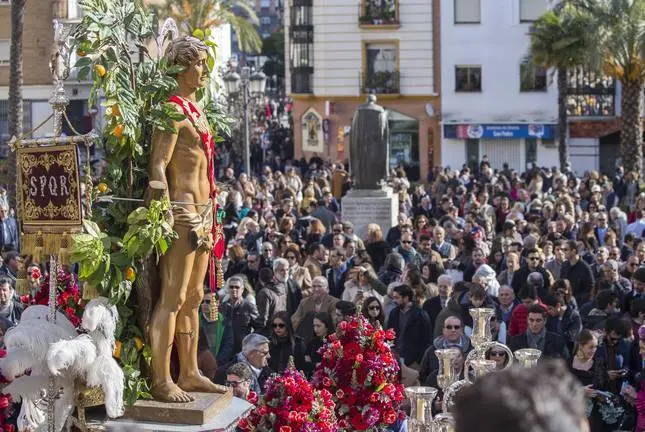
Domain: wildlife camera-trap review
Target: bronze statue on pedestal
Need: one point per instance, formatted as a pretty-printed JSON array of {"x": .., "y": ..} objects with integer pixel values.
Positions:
[{"x": 181, "y": 163}]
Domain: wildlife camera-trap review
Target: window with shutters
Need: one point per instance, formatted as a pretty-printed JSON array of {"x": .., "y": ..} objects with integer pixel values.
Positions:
[
  {"x": 531, "y": 10},
  {"x": 301, "y": 50},
  {"x": 467, "y": 11}
]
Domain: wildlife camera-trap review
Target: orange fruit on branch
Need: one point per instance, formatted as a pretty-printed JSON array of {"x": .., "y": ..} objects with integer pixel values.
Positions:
[
  {"x": 138, "y": 343},
  {"x": 118, "y": 131},
  {"x": 130, "y": 274},
  {"x": 117, "y": 350},
  {"x": 100, "y": 70},
  {"x": 102, "y": 187},
  {"x": 116, "y": 111}
]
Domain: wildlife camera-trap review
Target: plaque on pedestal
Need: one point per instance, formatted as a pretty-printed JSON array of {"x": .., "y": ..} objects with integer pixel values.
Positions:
[
  {"x": 364, "y": 206},
  {"x": 199, "y": 412}
]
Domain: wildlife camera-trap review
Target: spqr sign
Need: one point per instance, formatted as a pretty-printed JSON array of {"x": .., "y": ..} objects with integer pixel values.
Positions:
[{"x": 49, "y": 188}]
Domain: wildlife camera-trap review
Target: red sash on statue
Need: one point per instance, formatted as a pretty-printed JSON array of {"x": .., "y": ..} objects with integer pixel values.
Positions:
[{"x": 200, "y": 123}]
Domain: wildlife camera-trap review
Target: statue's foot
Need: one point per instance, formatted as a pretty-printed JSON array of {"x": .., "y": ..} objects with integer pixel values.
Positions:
[
  {"x": 199, "y": 383},
  {"x": 170, "y": 392}
]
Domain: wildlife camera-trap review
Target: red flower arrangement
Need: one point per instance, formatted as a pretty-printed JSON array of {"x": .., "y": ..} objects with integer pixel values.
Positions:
[
  {"x": 361, "y": 373},
  {"x": 291, "y": 404},
  {"x": 68, "y": 298},
  {"x": 5, "y": 405}
]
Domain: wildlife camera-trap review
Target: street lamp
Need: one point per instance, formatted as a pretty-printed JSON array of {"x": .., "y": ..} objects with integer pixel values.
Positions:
[{"x": 252, "y": 85}]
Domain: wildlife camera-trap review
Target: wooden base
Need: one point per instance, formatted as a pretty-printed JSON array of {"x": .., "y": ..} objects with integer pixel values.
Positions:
[{"x": 200, "y": 411}]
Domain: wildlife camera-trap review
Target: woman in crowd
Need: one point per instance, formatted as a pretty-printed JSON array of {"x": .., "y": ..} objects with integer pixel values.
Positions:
[
  {"x": 284, "y": 344},
  {"x": 372, "y": 309},
  {"x": 323, "y": 326},
  {"x": 297, "y": 272}
]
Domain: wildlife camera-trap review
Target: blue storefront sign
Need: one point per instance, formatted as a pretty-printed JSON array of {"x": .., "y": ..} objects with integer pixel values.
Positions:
[{"x": 513, "y": 131}]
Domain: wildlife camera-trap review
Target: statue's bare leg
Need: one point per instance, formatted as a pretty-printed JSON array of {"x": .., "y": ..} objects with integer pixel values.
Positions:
[
  {"x": 175, "y": 269},
  {"x": 190, "y": 378}
]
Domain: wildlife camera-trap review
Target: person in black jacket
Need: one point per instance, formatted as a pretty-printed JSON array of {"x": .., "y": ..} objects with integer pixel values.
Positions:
[
  {"x": 411, "y": 324},
  {"x": 536, "y": 336},
  {"x": 578, "y": 272},
  {"x": 532, "y": 266},
  {"x": 284, "y": 344},
  {"x": 563, "y": 319}
]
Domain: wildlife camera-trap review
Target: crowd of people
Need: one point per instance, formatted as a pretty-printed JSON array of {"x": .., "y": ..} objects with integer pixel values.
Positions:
[{"x": 560, "y": 258}]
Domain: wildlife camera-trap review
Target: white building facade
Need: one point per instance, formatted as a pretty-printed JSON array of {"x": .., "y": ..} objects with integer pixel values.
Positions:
[
  {"x": 492, "y": 103},
  {"x": 338, "y": 51}
]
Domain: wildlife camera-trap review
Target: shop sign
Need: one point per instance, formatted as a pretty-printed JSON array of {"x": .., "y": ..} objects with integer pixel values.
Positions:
[{"x": 512, "y": 131}]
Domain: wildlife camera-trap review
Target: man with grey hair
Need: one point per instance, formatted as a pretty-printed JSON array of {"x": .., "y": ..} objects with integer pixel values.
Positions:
[
  {"x": 319, "y": 301},
  {"x": 239, "y": 310},
  {"x": 254, "y": 354},
  {"x": 435, "y": 304},
  {"x": 272, "y": 297}
]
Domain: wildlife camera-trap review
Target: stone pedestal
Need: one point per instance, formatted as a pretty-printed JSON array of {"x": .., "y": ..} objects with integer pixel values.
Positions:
[
  {"x": 224, "y": 421},
  {"x": 365, "y": 206},
  {"x": 200, "y": 411}
]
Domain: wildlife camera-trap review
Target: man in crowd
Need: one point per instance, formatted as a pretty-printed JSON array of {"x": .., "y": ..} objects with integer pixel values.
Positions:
[
  {"x": 241, "y": 312},
  {"x": 412, "y": 326},
  {"x": 239, "y": 377},
  {"x": 552, "y": 345},
  {"x": 255, "y": 355},
  {"x": 9, "y": 307}
]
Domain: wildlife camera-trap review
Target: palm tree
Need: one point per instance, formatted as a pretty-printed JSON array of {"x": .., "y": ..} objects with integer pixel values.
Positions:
[
  {"x": 15, "y": 88},
  {"x": 559, "y": 40},
  {"x": 619, "y": 51},
  {"x": 191, "y": 15}
]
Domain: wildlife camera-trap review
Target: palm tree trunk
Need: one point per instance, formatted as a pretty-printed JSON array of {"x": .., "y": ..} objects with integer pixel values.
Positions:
[
  {"x": 563, "y": 148},
  {"x": 631, "y": 129},
  {"x": 15, "y": 89}
]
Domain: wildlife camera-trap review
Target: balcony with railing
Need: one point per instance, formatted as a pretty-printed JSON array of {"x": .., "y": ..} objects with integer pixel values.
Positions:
[
  {"x": 383, "y": 82},
  {"x": 590, "y": 94},
  {"x": 379, "y": 14}
]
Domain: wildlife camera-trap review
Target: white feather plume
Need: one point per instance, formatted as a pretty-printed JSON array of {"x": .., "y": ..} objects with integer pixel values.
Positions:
[
  {"x": 17, "y": 361},
  {"x": 105, "y": 372},
  {"x": 26, "y": 387},
  {"x": 72, "y": 356}
]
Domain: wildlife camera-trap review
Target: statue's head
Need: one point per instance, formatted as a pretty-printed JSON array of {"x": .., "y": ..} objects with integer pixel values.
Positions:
[{"x": 191, "y": 53}]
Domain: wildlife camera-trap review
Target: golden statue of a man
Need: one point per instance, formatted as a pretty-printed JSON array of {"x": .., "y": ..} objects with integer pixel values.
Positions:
[{"x": 182, "y": 162}]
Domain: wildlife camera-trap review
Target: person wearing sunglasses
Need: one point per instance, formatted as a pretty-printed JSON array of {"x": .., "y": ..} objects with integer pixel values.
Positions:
[
  {"x": 614, "y": 352},
  {"x": 255, "y": 354},
  {"x": 407, "y": 250},
  {"x": 373, "y": 310},
  {"x": 452, "y": 336},
  {"x": 533, "y": 265},
  {"x": 238, "y": 378},
  {"x": 284, "y": 344}
]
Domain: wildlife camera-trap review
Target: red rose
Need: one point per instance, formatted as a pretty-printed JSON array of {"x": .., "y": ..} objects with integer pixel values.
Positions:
[
  {"x": 9, "y": 428},
  {"x": 389, "y": 417},
  {"x": 327, "y": 382},
  {"x": 359, "y": 358},
  {"x": 390, "y": 334},
  {"x": 243, "y": 424},
  {"x": 353, "y": 324},
  {"x": 343, "y": 325},
  {"x": 252, "y": 398},
  {"x": 389, "y": 389},
  {"x": 352, "y": 350},
  {"x": 332, "y": 337},
  {"x": 285, "y": 428},
  {"x": 35, "y": 273},
  {"x": 4, "y": 402}
]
